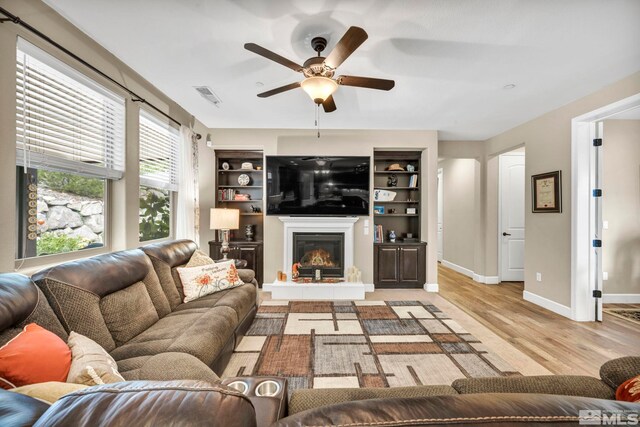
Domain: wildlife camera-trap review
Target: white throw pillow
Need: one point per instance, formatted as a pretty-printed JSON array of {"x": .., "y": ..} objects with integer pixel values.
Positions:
[{"x": 208, "y": 279}]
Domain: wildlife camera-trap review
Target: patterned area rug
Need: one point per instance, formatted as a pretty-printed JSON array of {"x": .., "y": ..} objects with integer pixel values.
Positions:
[
  {"x": 631, "y": 314},
  {"x": 361, "y": 344}
]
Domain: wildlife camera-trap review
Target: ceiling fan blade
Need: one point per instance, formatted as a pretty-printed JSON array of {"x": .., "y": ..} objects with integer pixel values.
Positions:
[
  {"x": 367, "y": 82},
  {"x": 329, "y": 104},
  {"x": 252, "y": 47},
  {"x": 351, "y": 40},
  {"x": 278, "y": 90}
]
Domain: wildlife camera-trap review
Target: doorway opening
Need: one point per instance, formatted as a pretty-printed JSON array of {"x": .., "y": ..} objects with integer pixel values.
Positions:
[
  {"x": 588, "y": 149},
  {"x": 440, "y": 215},
  {"x": 511, "y": 215}
]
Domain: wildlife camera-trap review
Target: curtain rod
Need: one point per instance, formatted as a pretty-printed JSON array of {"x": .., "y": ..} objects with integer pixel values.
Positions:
[{"x": 134, "y": 96}]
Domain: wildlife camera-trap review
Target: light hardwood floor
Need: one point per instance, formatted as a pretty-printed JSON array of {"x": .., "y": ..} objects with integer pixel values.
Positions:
[{"x": 557, "y": 343}]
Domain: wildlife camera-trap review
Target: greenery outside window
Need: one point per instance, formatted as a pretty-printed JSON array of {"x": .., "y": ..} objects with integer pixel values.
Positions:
[{"x": 158, "y": 177}]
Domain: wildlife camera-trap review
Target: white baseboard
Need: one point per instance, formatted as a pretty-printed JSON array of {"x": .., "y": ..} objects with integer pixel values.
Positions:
[
  {"x": 560, "y": 309},
  {"x": 431, "y": 287},
  {"x": 460, "y": 269},
  {"x": 621, "y": 298},
  {"x": 369, "y": 287},
  {"x": 489, "y": 280}
]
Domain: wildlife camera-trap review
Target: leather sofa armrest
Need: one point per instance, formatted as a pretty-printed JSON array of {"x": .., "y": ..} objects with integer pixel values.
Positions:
[
  {"x": 19, "y": 410},
  {"x": 460, "y": 410},
  {"x": 152, "y": 403},
  {"x": 247, "y": 275}
]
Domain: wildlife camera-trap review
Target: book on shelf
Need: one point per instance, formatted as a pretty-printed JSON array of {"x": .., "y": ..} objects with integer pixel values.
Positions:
[
  {"x": 413, "y": 181},
  {"x": 378, "y": 236},
  {"x": 226, "y": 194}
]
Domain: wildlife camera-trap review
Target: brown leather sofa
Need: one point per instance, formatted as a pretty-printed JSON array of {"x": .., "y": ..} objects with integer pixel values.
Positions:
[{"x": 130, "y": 302}]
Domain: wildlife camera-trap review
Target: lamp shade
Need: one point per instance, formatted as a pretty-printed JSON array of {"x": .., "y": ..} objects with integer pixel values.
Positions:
[
  {"x": 225, "y": 219},
  {"x": 319, "y": 88}
]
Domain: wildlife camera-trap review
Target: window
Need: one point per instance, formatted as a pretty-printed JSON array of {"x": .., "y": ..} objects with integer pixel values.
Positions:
[
  {"x": 69, "y": 144},
  {"x": 158, "y": 176}
]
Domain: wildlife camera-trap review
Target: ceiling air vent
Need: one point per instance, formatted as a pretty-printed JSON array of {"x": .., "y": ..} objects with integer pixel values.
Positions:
[{"x": 208, "y": 94}]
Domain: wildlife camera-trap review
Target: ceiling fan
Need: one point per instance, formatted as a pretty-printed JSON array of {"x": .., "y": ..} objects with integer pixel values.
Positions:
[{"x": 318, "y": 70}]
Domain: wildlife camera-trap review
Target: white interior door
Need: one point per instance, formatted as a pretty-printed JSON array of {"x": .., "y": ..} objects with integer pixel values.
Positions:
[
  {"x": 512, "y": 186},
  {"x": 440, "y": 215}
]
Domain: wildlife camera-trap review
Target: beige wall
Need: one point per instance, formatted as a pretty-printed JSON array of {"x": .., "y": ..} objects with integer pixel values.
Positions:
[
  {"x": 124, "y": 193},
  {"x": 459, "y": 177},
  {"x": 333, "y": 142},
  {"x": 548, "y": 144},
  {"x": 621, "y": 206}
]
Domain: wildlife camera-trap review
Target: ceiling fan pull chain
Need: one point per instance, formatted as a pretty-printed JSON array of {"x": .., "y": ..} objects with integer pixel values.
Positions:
[{"x": 318, "y": 118}]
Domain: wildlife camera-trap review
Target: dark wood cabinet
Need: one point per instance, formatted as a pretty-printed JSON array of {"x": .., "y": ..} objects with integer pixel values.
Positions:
[
  {"x": 401, "y": 265},
  {"x": 248, "y": 251}
]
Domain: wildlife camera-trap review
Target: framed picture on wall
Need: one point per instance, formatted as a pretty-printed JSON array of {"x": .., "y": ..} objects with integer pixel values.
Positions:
[{"x": 546, "y": 192}]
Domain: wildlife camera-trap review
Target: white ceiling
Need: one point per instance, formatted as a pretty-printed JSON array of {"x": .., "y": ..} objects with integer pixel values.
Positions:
[{"x": 450, "y": 58}]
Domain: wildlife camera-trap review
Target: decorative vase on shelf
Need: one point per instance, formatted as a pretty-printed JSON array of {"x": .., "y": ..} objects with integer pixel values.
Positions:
[
  {"x": 392, "y": 236},
  {"x": 249, "y": 232},
  {"x": 392, "y": 181}
]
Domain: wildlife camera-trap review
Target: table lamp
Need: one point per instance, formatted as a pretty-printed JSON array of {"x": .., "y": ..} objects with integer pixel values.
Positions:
[{"x": 225, "y": 220}]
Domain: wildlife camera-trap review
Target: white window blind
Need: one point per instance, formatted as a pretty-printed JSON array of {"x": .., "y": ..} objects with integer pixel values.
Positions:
[
  {"x": 158, "y": 153},
  {"x": 65, "y": 121}
]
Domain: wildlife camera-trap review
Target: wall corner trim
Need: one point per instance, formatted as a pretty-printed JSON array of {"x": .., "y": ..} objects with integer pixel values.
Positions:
[
  {"x": 621, "y": 298},
  {"x": 550, "y": 305},
  {"x": 488, "y": 280},
  {"x": 431, "y": 287}
]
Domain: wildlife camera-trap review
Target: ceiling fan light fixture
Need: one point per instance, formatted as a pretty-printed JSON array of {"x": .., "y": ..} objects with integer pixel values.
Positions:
[{"x": 319, "y": 88}]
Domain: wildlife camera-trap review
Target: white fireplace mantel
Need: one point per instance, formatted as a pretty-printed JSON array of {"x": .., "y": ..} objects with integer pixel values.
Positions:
[{"x": 296, "y": 224}]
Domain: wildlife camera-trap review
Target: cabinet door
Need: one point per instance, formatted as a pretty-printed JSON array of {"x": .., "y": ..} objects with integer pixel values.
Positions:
[
  {"x": 412, "y": 266},
  {"x": 387, "y": 265},
  {"x": 249, "y": 254}
]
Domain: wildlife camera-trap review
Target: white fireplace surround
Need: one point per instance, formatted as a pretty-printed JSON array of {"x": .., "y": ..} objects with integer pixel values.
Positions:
[{"x": 293, "y": 224}]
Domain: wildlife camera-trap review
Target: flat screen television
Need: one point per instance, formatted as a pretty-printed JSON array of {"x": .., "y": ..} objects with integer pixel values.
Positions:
[{"x": 308, "y": 185}]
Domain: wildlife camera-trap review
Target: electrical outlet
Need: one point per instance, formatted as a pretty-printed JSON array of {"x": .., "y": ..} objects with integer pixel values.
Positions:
[
  {"x": 539, "y": 277},
  {"x": 366, "y": 231},
  {"x": 605, "y": 275},
  {"x": 366, "y": 223},
  {"x": 605, "y": 225}
]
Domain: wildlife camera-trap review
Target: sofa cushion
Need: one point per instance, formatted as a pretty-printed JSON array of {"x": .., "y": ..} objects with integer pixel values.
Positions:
[
  {"x": 167, "y": 366},
  {"x": 305, "y": 399},
  {"x": 200, "y": 332},
  {"x": 128, "y": 312},
  {"x": 241, "y": 299},
  {"x": 90, "y": 363},
  {"x": 75, "y": 290},
  {"x": 616, "y": 371},
  {"x": 568, "y": 385},
  {"x": 208, "y": 279},
  {"x": 22, "y": 303},
  {"x": 165, "y": 257},
  {"x": 34, "y": 356},
  {"x": 48, "y": 392},
  {"x": 20, "y": 410}
]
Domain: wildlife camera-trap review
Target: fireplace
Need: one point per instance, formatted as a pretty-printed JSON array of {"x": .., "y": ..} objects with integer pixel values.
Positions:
[{"x": 319, "y": 251}]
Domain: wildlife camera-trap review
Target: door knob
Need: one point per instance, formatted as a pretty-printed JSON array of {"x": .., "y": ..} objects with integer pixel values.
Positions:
[{"x": 506, "y": 234}]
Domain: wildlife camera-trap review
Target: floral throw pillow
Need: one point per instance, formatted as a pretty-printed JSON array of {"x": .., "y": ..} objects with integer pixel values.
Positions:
[{"x": 208, "y": 279}]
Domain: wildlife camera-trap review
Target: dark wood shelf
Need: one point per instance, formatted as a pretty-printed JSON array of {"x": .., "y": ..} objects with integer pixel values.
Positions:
[
  {"x": 396, "y": 188},
  {"x": 239, "y": 170},
  {"x": 250, "y": 214},
  {"x": 399, "y": 172},
  {"x": 383, "y": 215},
  {"x": 409, "y": 202},
  {"x": 240, "y": 186},
  {"x": 239, "y": 201}
]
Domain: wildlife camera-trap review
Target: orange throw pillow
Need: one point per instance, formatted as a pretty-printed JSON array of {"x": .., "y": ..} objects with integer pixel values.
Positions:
[
  {"x": 629, "y": 391},
  {"x": 35, "y": 355}
]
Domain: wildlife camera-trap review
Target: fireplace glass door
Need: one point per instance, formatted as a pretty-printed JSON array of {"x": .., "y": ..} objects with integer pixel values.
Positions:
[{"x": 323, "y": 251}]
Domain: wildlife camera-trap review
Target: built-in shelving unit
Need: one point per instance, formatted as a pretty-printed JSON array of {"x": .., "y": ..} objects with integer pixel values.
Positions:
[
  {"x": 399, "y": 264},
  {"x": 227, "y": 180}
]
